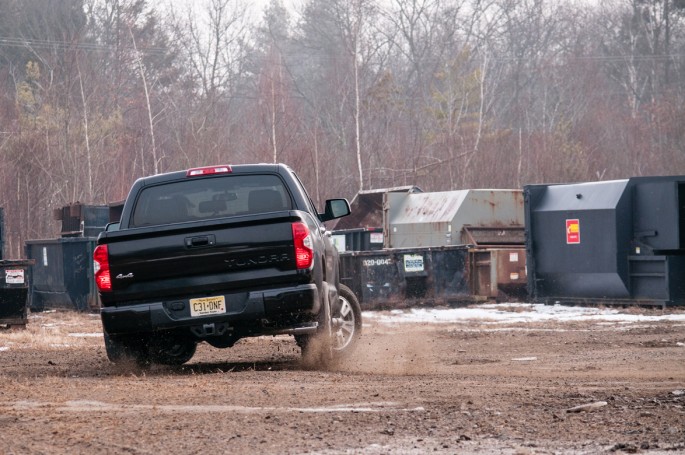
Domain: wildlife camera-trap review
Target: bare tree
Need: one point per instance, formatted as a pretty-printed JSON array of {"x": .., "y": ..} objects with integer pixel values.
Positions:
[{"x": 214, "y": 38}]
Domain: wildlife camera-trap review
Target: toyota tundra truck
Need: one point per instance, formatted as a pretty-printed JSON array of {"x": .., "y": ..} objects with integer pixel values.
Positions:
[{"x": 219, "y": 253}]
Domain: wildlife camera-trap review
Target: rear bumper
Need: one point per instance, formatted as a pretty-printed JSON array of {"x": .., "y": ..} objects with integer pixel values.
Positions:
[{"x": 266, "y": 311}]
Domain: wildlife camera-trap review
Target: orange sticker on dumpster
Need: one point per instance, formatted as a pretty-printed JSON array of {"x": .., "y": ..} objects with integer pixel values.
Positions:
[{"x": 572, "y": 231}]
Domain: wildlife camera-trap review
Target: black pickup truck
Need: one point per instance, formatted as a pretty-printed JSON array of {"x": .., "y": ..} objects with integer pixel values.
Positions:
[{"x": 220, "y": 253}]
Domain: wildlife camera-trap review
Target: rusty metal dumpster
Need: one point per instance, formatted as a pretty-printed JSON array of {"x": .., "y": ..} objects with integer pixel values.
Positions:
[
  {"x": 14, "y": 289},
  {"x": 445, "y": 247}
]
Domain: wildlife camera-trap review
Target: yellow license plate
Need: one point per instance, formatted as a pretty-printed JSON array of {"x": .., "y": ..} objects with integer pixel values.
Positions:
[{"x": 207, "y": 305}]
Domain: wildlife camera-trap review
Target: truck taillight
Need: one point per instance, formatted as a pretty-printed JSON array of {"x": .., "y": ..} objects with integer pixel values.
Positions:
[
  {"x": 208, "y": 170},
  {"x": 103, "y": 278},
  {"x": 304, "y": 252}
]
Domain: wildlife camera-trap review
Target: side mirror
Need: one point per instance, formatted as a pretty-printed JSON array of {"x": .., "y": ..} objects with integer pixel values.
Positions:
[{"x": 335, "y": 208}]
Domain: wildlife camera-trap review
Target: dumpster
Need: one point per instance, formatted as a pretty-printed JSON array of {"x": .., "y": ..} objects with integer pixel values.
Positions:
[
  {"x": 444, "y": 247},
  {"x": 498, "y": 273},
  {"x": 397, "y": 278},
  {"x": 620, "y": 241},
  {"x": 360, "y": 239},
  {"x": 440, "y": 218},
  {"x": 81, "y": 220},
  {"x": 62, "y": 276},
  {"x": 367, "y": 208},
  {"x": 14, "y": 289}
]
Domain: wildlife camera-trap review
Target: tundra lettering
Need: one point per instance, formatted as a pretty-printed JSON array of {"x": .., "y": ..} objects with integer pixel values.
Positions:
[{"x": 261, "y": 260}]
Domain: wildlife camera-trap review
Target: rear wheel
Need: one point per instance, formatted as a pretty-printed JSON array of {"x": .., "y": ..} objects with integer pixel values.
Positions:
[
  {"x": 145, "y": 349},
  {"x": 172, "y": 349},
  {"x": 126, "y": 348}
]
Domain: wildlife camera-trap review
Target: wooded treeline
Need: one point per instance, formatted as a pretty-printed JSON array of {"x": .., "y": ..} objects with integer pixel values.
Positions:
[{"x": 353, "y": 94}]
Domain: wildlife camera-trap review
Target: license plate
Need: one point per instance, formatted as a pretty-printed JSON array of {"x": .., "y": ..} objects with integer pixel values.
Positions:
[{"x": 207, "y": 305}]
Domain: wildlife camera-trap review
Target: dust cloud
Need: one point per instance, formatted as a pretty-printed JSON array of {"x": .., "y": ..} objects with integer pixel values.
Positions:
[{"x": 403, "y": 355}]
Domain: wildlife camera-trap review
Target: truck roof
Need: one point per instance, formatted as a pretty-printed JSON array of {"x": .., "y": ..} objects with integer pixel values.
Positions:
[{"x": 237, "y": 168}]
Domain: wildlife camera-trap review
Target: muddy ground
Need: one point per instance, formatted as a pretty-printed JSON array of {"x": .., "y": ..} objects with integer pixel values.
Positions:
[{"x": 412, "y": 388}]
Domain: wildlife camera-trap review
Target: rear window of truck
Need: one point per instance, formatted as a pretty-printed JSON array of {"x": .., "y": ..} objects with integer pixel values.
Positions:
[{"x": 195, "y": 199}]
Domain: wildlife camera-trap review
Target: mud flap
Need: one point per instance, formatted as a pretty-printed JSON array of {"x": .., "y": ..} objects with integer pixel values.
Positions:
[{"x": 317, "y": 349}]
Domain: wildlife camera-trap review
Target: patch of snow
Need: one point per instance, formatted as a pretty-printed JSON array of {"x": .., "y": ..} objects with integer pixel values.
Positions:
[{"x": 515, "y": 313}]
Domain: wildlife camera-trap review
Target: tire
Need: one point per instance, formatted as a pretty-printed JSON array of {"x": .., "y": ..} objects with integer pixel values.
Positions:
[
  {"x": 346, "y": 323},
  {"x": 172, "y": 349},
  {"x": 127, "y": 348}
]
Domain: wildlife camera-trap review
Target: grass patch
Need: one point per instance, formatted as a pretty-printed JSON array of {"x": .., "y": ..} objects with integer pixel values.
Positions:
[{"x": 53, "y": 330}]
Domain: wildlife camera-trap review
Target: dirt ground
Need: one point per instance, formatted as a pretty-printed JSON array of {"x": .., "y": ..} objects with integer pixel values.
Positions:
[{"x": 526, "y": 388}]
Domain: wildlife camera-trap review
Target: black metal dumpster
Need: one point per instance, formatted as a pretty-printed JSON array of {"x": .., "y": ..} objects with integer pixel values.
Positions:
[
  {"x": 396, "y": 278},
  {"x": 14, "y": 288},
  {"x": 62, "y": 276},
  {"x": 615, "y": 242}
]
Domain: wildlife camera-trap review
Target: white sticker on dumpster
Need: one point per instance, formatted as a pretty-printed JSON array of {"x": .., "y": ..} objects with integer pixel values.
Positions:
[
  {"x": 413, "y": 263},
  {"x": 14, "y": 276},
  {"x": 376, "y": 237}
]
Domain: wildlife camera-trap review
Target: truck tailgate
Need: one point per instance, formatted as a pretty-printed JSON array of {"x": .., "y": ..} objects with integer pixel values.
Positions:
[{"x": 201, "y": 258}]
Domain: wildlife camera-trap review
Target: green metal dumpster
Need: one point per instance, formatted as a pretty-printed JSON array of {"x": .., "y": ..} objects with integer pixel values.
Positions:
[{"x": 62, "y": 275}]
